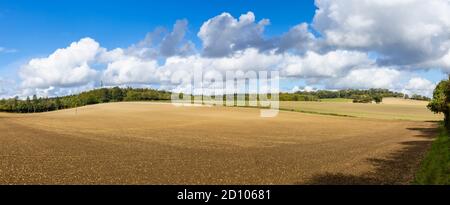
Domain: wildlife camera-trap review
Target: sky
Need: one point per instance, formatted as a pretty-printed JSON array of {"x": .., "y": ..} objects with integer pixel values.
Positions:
[{"x": 54, "y": 47}]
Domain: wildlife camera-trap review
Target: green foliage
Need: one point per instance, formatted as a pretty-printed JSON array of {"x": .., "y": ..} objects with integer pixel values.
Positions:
[
  {"x": 368, "y": 98},
  {"x": 362, "y": 99},
  {"x": 351, "y": 93},
  {"x": 377, "y": 98},
  {"x": 117, "y": 94},
  {"x": 419, "y": 97},
  {"x": 441, "y": 100},
  {"x": 297, "y": 97},
  {"x": 435, "y": 168},
  {"x": 358, "y": 96},
  {"x": 103, "y": 95}
]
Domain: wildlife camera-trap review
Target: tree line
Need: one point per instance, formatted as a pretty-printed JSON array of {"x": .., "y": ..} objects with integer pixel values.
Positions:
[
  {"x": 103, "y": 95},
  {"x": 117, "y": 94},
  {"x": 358, "y": 96},
  {"x": 351, "y": 93}
]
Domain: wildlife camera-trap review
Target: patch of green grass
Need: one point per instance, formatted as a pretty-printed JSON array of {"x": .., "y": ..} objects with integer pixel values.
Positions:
[{"x": 435, "y": 168}]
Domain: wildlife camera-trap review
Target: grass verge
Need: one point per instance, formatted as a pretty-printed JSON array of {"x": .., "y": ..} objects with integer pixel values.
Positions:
[{"x": 435, "y": 168}]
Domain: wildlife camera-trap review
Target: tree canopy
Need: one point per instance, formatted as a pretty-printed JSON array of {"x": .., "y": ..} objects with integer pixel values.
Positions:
[
  {"x": 103, "y": 95},
  {"x": 441, "y": 101}
]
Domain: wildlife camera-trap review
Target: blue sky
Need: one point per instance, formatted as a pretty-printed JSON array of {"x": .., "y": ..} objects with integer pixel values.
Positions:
[
  {"x": 31, "y": 29},
  {"x": 36, "y": 29},
  {"x": 39, "y": 28}
]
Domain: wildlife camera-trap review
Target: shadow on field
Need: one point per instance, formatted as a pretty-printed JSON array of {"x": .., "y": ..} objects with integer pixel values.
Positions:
[
  {"x": 396, "y": 169},
  {"x": 429, "y": 133}
]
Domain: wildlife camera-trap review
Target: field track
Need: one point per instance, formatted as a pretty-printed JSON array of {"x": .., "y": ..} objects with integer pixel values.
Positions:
[{"x": 145, "y": 143}]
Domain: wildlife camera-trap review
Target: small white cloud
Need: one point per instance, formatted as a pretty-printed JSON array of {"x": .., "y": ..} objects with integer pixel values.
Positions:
[{"x": 7, "y": 50}]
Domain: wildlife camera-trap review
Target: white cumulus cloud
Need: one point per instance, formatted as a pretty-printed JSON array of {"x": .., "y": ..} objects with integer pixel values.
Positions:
[
  {"x": 356, "y": 44},
  {"x": 366, "y": 78},
  {"x": 130, "y": 70},
  {"x": 332, "y": 64},
  {"x": 402, "y": 32},
  {"x": 419, "y": 86},
  {"x": 66, "y": 67},
  {"x": 224, "y": 34}
]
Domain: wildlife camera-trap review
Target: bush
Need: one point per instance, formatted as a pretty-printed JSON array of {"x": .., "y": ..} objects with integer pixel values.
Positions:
[
  {"x": 377, "y": 98},
  {"x": 362, "y": 99}
]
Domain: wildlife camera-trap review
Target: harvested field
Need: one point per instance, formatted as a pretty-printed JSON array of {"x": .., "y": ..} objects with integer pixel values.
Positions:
[
  {"x": 390, "y": 109},
  {"x": 147, "y": 143}
]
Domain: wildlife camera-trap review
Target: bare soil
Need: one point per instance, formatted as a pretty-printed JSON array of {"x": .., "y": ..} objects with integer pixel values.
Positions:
[{"x": 147, "y": 143}]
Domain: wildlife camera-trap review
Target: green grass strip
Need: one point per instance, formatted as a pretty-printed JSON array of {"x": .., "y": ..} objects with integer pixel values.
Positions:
[{"x": 435, "y": 168}]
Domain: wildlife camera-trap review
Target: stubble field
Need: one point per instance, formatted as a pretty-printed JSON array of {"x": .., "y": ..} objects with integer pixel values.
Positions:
[
  {"x": 151, "y": 143},
  {"x": 390, "y": 109}
]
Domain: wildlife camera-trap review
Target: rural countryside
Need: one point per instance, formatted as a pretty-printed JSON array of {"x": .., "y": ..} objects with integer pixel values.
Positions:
[{"x": 324, "y": 92}]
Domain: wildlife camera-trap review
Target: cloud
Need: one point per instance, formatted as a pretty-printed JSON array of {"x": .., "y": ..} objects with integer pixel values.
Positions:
[
  {"x": 337, "y": 69},
  {"x": 146, "y": 48},
  {"x": 246, "y": 60},
  {"x": 161, "y": 43},
  {"x": 356, "y": 44},
  {"x": 366, "y": 78},
  {"x": 249, "y": 59},
  {"x": 332, "y": 64},
  {"x": 297, "y": 39},
  {"x": 130, "y": 70},
  {"x": 170, "y": 44},
  {"x": 6, "y": 87},
  {"x": 443, "y": 63},
  {"x": 7, "y": 50},
  {"x": 66, "y": 67},
  {"x": 419, "y": 86},
  {"x": 224, "y": 34},
  {"x": 401, "y": 32},
  {"x": 54, "y": 91},
  {"x": 312, "y": 65},
  {"x": 304, "y": 89}
]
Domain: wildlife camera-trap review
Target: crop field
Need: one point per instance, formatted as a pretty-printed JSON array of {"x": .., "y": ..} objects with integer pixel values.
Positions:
[
  {"x": 390, "y": 109},
  {"x": 151, "y": 143}
]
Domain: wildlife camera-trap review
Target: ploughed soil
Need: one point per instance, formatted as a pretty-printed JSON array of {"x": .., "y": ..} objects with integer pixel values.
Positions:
[{"x": 150, "y": 143}]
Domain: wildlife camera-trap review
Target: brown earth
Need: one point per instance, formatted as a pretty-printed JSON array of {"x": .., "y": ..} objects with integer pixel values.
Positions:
[{"x": 145, "y": 143}]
